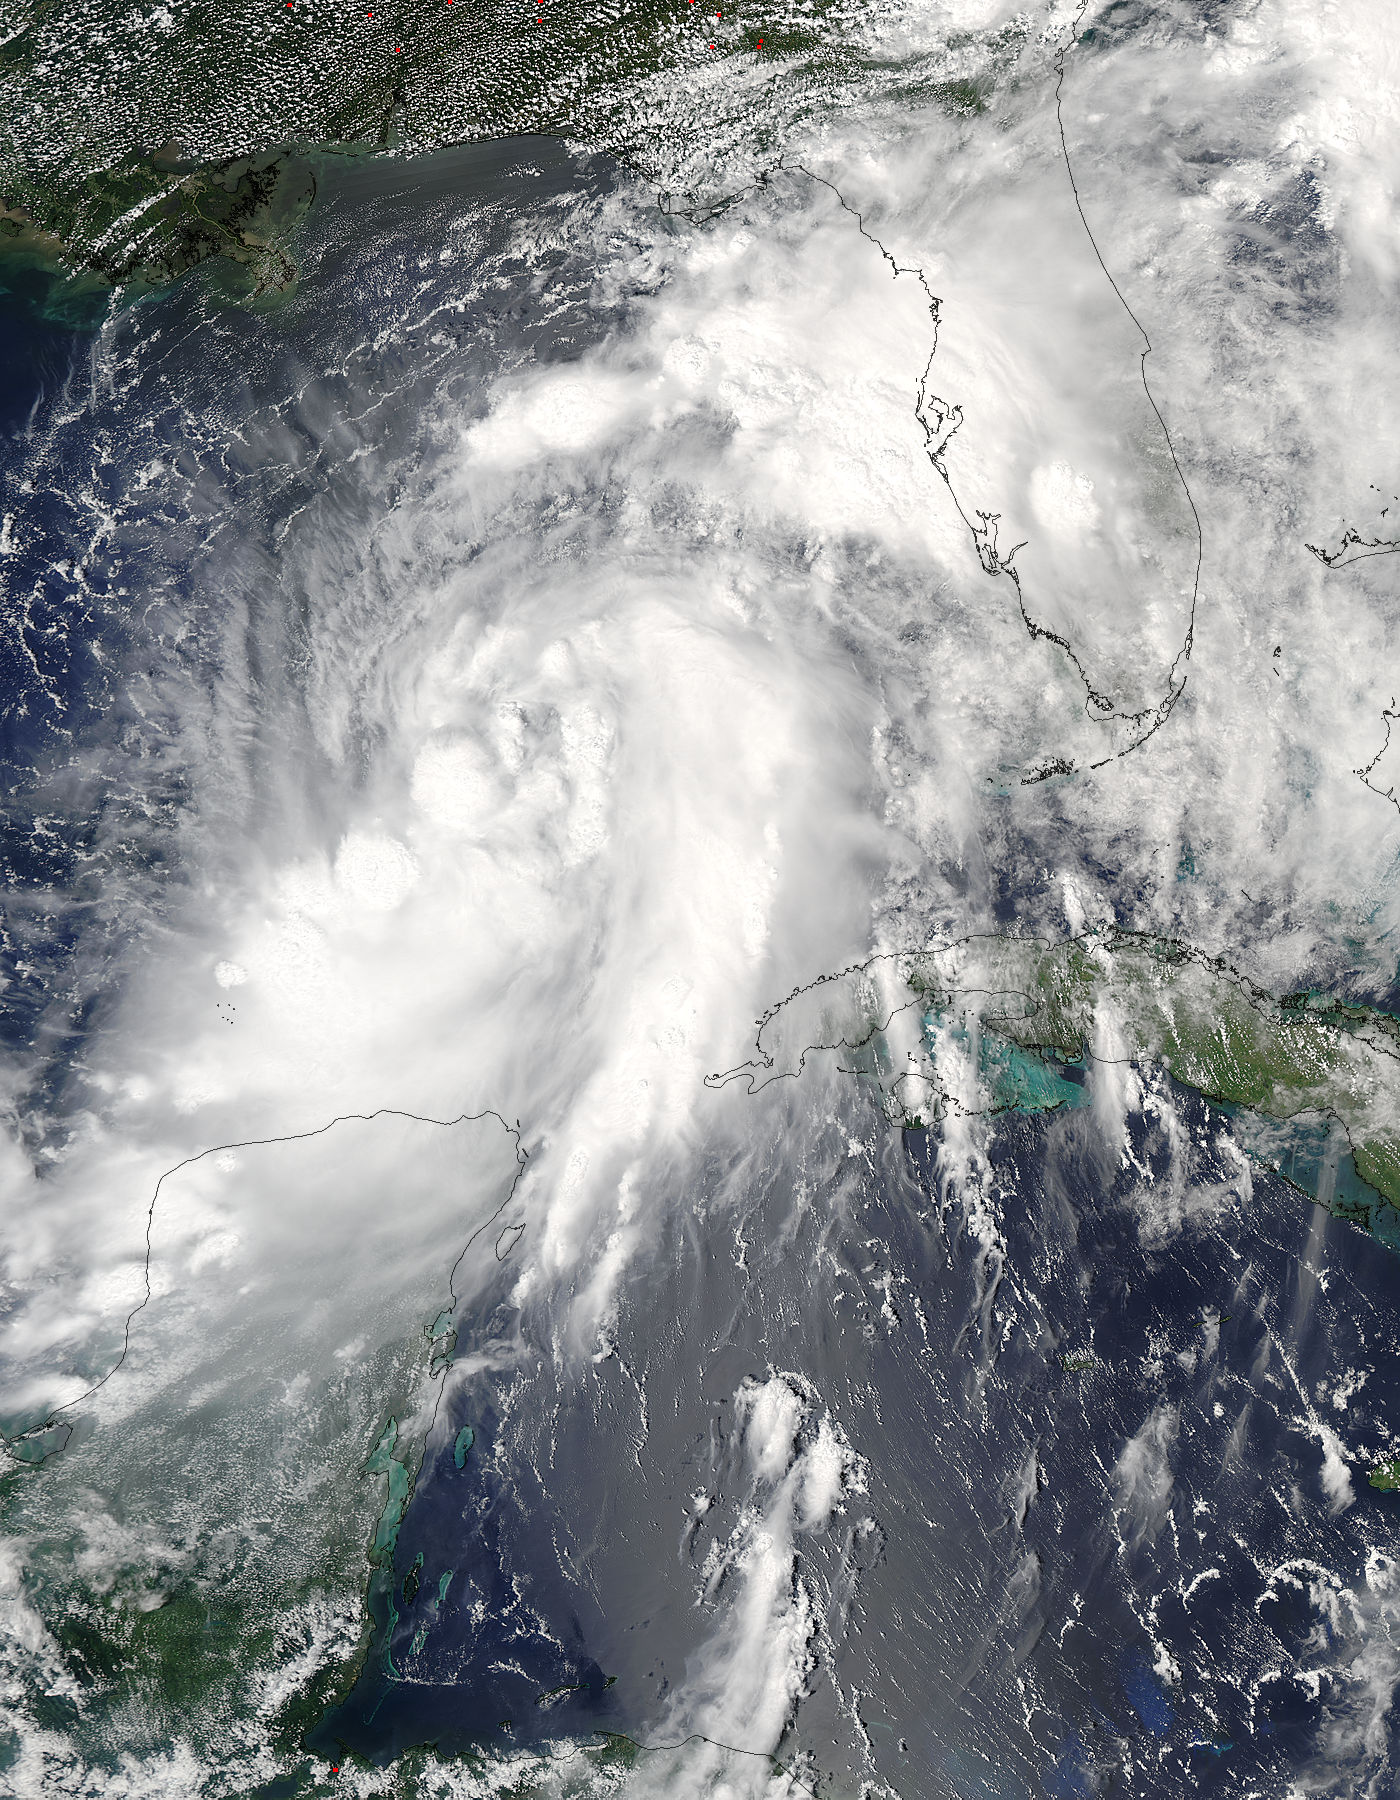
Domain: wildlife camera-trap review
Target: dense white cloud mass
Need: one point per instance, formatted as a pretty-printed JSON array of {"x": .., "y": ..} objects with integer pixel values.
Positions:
[{"x": 620, "y": 684}]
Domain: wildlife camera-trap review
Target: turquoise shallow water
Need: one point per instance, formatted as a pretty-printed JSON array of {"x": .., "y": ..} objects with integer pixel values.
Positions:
[
  {"x": 1026, "y": 1081},
  {"x": 1316, "y": 1159},
  {"x": 47, "y": 319}
]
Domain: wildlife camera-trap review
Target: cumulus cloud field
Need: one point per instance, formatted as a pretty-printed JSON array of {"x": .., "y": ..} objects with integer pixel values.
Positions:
[{"x": 588, "y": 627}]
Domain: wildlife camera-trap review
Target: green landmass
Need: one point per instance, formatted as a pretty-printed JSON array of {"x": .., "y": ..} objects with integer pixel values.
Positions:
[
  {"x": 193, "y": 1626},
  {"x": 212, "y": 1565},
  {"x": 397, "y": 1489},
  {"x": 1386, "y": 1475},
  {"x": 138, "y": 142},
  {"x": 1007, "y": 1024}
]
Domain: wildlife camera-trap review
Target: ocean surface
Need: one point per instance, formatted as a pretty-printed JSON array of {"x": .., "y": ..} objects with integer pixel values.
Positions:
[
  {"x": 388, "y": 668},
  {"x": 1092, "y": 1547}
]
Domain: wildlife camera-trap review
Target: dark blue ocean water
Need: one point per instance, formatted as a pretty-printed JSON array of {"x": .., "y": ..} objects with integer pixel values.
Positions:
[
  {"x": 47, "y": 321},
  {"x": 1097, "y": 1553},
  {"x": 48, "y": 326},
  {"x": 152, "y": 456}
]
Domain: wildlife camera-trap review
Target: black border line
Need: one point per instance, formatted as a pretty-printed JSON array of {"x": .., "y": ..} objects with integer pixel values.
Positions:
[
  {"x": 698, "y": 1737},
  {"x": 995, "y": 562},
  {"x": 52, "y": 1421},
  {"x": 1390, "y": 715},
  {"x": 1351, "y": 540},
  {"x": 946, "y": 420},
  {"x": 1342, "y": 1019},
  {"x": 1175, "y": 687}
]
